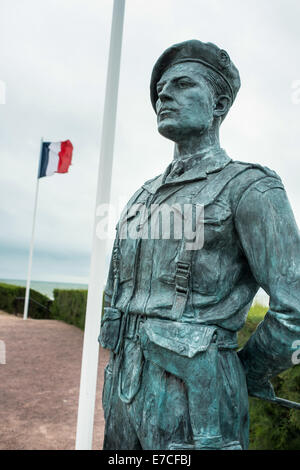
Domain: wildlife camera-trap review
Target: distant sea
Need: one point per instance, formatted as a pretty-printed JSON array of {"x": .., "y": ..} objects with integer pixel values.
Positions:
[{"x": 45, "y": 287}]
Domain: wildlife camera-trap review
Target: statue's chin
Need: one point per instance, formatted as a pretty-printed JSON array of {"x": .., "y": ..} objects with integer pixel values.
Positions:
[
  {"x": 170, "y": 131},
  {"x": 180, "y": 134}
]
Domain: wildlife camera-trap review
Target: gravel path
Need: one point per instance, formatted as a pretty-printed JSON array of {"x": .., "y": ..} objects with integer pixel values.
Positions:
[{"x": 39, "y": 384}]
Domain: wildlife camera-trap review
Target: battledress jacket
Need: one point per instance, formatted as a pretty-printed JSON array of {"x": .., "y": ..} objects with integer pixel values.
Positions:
[{"x": 251, "y": 240}]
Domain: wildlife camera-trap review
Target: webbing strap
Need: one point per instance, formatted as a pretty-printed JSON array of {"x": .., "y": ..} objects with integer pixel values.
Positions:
[{"x": 210, "y": 191}]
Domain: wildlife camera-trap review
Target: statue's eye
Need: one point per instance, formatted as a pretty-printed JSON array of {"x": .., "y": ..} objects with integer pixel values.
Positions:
[
  {"x": 159, "y": 89},
  {"x": 184, "y": 83}
]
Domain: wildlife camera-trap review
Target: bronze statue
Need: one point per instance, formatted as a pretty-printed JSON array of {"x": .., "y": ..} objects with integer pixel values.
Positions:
[{"x": 175, "y": 379}]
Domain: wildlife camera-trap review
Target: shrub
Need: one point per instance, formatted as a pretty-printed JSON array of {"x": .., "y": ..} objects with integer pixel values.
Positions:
[
  {"x": 12, "y": 301},
  {"x": 69, "y": 306},
  {"x": 273, "y": 427}
]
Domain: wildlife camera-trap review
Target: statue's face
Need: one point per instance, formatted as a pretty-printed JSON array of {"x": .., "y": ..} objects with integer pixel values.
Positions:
[{"x": 185, "y": 104}]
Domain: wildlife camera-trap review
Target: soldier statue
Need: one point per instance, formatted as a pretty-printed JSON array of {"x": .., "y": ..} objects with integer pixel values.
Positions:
[{"x": 175, "y": 378}]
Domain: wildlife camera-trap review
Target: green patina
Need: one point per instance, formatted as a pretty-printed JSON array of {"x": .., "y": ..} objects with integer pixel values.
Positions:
[{"x": 176, "y": 379}]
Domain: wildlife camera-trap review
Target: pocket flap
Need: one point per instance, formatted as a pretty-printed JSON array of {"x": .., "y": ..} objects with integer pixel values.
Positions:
[
  {"x": 110, "y": 314},
  {"x": 110, "y": 328},
  {"x": 184, "y": 339}
]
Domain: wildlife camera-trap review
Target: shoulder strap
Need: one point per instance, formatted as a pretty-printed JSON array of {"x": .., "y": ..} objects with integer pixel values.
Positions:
[
  {"x": 255, "y": 174},
  {"x": 206, "y": 195}
]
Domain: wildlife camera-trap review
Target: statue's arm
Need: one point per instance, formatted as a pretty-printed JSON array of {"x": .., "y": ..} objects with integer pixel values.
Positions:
[
  {"x": 270, "y": 239},
  {"x": 109, "y": 286}
]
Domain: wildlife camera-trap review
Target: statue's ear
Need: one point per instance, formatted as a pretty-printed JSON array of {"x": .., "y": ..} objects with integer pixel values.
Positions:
[{"x": 222, "y": 105}]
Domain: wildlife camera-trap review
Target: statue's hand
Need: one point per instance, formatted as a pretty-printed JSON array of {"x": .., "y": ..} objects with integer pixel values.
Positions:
[
  {"x": 258, "y": 385},
  {"x": 260, "y": 388}
]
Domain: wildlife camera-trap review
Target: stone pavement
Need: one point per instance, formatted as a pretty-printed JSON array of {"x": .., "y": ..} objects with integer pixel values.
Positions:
[{"x": 39, "y": 385}]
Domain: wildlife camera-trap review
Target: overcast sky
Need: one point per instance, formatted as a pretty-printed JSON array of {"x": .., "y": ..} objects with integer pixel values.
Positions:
[{"x": 53, "y": 62}]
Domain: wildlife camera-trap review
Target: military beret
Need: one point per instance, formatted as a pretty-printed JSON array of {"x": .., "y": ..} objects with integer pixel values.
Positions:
[{"x": 207, "y": 54}]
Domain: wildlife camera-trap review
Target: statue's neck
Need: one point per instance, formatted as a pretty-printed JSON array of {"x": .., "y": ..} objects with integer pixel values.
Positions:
[{"x": 196, "y": 145}]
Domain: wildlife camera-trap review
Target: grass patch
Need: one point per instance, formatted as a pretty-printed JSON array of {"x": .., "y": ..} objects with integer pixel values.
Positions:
[{"x": 273, "y": 427}]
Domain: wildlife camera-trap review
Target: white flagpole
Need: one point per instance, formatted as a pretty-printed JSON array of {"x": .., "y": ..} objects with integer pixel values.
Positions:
[
  {"x": 26, "y": 303},
  {"x": 90, "y": 353}
]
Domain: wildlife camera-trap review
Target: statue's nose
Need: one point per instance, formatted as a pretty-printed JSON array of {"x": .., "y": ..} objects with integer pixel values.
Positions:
[{"x": 165, "y": 93}]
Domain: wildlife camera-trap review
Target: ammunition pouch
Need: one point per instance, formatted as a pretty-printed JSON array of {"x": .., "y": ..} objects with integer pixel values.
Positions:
[
  {"x": 190, "y": 352},
  {"x": 111, "y": 327}
]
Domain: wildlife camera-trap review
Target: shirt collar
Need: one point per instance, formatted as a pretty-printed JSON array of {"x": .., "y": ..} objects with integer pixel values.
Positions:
[{"x": 195, "y": 167}]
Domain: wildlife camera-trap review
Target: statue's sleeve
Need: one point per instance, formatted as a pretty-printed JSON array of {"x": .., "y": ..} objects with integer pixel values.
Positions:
[
  {"x": 109, "y": 286},
  {"x": 270, "y": 240}
]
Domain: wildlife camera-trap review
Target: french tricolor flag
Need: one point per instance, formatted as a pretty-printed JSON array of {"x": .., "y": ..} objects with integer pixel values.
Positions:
[{"x": 56, "y": 157}]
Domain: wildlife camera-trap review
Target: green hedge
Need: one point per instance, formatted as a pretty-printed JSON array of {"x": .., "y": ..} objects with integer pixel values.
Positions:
[
  {"x": 69, "y": 306},
  {"x": 12, "y": 301},
  {"x": 273, "y": 427}
]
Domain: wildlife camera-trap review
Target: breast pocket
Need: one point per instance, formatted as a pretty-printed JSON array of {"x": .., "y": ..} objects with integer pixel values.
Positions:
[
  {"x": 168, "y": 231},
  {"x": 127, "y": 257},
  {"x": 207, "y": 262},
  {"x": 206, "y": 272},
  {"x": 129, "y": 234}
]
